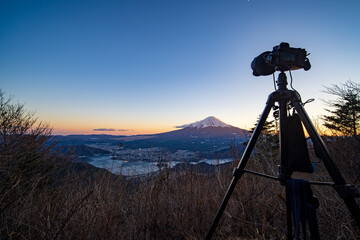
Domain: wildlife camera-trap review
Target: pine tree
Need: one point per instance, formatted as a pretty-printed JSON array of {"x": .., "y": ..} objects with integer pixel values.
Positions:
[
  {"x": 344, "y": 115},
  {"x": 269, "y": 127}
]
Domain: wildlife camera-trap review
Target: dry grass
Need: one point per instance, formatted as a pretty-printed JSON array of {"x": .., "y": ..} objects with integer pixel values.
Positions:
[{"x": 172, "y": 205}]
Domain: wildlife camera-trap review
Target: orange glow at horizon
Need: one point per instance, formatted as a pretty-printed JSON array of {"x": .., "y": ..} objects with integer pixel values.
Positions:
[
  {"x": 89, "y": 130},
  {"x": 77, "y": 124}
]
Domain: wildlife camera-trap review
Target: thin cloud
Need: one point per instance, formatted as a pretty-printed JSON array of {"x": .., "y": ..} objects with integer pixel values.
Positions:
[
  {"x": 182, "y": 126},
  {"x": 111, "y": 130},
  {"x": 124, "y": 130},
  {"x": 105, "y": 129}
]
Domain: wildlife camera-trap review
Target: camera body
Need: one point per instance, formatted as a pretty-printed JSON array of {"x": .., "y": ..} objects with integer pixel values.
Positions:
[{"x": 282, "y": 58}]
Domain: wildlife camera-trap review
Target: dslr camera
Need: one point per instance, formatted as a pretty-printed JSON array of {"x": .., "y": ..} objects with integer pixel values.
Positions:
[{"x": 281, "y": 58}]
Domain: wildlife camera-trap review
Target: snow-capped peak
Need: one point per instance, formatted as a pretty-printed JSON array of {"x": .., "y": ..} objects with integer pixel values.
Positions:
[{"x": 207, "y": 122}]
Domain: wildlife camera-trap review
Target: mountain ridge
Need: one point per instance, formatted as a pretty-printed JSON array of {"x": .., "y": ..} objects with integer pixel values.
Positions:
[
  {"x": 208, "y": 138},
  {"x": 209, "y": 131}
]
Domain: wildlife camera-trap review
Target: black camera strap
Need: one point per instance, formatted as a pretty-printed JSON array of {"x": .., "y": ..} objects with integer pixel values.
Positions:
[{"x": 303, "y": 207}]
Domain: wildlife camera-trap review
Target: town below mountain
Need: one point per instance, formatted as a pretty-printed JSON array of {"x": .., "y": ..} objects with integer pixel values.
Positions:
[{"x": 195, "y": 142}]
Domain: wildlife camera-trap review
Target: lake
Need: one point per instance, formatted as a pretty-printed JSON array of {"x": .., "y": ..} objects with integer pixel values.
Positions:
[{"x": 134, "y": 168}]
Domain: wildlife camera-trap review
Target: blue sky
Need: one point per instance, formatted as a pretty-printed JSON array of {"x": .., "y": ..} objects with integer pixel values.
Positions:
[{"x": 147, "y": 66}]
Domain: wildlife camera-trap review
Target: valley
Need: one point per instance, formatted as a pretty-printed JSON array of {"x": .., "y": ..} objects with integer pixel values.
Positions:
[{"x": 208, "y": 139}]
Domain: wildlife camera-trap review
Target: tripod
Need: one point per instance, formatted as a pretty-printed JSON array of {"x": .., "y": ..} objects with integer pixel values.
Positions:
[{"x": 285, "y": 97}]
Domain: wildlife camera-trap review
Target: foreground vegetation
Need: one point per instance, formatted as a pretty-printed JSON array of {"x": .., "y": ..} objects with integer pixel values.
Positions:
[
  {"x": 46, "y": 196},
  {"x": 171, "y": 205}
]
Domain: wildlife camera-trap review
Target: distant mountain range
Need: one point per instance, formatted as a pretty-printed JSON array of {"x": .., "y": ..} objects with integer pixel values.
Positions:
[{"x": 206, "y": 137}]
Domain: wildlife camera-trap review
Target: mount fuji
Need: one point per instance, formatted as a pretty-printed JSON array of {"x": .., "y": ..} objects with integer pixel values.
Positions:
[
  {"x": 207, "y": 122},
  {"x": 210, "y": 127},
  {"x": 206, "y": 138}
]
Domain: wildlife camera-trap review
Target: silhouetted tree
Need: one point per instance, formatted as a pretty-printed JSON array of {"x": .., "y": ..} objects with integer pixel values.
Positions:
[
  {"x": 269, "y": 139},
  {"x": 345, "y": 110},
  {"x": 270, "y": 126},
  {"x": 22, "y": 141},
  {"x": 26, "y": 165}
]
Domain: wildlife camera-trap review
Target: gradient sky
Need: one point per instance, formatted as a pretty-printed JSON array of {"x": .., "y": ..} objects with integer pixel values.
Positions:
[{"x": 146, "y": 66}]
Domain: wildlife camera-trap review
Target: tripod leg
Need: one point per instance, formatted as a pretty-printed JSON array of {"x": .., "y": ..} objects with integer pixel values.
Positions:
[
  {"x": 238, "y": 172},
  {"x": 341, "y": 187},
  {"x": 284, "y": 169}
]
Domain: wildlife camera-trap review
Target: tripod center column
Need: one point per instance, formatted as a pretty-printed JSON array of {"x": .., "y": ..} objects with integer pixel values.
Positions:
[{"x": 282, "y": 81}]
